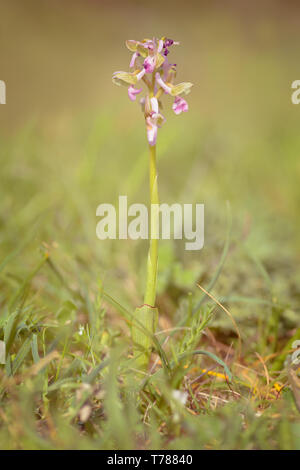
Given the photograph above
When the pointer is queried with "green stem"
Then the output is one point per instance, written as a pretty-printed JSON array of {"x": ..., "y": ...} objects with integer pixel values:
[
  {"x": 150, "y": 294},
  {"x": 146, "y": 316}
]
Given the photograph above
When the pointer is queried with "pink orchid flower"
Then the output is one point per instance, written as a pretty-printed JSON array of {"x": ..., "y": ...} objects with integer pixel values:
[
  {"x": 154, "y": 58},
  {"x": 153, "y": 118},
  {"x": 170, "y": 88},
  {"x": 149, "y": 57},
  {"x": 162, "y": 84},
  {"x": 180, "y": 105},
  {"x": 132, "y": 92},
  {"x": 149, "y": 64},
  {"x": 134, "y": 57}
]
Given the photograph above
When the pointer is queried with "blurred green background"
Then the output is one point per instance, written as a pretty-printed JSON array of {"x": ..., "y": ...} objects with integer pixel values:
[{"x": 70, "y": 140}]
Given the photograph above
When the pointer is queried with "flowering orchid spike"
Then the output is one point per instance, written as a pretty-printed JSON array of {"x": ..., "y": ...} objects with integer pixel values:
[{"x": 149, "y": 63}]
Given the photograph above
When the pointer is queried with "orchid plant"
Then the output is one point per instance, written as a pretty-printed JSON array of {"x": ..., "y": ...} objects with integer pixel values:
[{"x": 150, "y": 65}]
